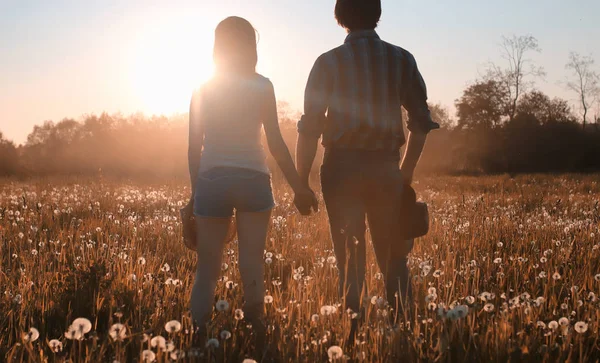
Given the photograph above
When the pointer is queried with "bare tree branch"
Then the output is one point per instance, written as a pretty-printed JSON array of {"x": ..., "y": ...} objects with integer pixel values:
[
  {"x": 517, "y": 73},
  {"x": 584, "y": 81}
]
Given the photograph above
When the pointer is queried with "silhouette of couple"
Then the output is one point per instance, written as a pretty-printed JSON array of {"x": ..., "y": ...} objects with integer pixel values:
[{"x": 353, "y": 104}]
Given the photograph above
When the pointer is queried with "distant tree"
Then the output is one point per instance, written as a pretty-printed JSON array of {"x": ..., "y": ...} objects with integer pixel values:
[
  {"x": 9, "y": 158},
  {"x": 441, "y": 115},
  {"x": 584, "y": 81},
  {"x": 544, "y": 110},
  {"x": 482, "y": 105},
  {"x": 515, "y": 76},
  {"x": 286, "y": 114}
]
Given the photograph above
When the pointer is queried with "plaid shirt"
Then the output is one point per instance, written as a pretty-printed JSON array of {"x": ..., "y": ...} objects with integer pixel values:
[{"x": 355, "y": 92}]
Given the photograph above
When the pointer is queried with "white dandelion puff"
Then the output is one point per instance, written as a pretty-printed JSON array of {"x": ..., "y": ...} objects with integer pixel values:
[
  {"x": 581, "y": 327},
  {"x": 56, "y": 346},
  {"x": 159, "y": 342},
  {"x": 83, "y": 325},
  {"x": 148, "y": 356},
  {"x": 212, "y": 343},
  {"x": 225, "y": 334},
  {"x": 222, "y": 305},
  {"x": 173, "y": 326},
  {"x": 117, "y": 332},
  {"x": 335, "y": 352},
  {"x": 31, "y": 335}
]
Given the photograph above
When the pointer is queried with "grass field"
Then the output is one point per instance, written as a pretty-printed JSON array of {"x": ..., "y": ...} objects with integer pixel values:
[{"x": 510, "y": 270}]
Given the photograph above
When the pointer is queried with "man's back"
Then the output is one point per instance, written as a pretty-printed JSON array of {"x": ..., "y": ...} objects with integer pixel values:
[{"x": 362, "y": 85}]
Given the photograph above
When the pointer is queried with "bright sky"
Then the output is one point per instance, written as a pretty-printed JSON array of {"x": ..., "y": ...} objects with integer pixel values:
[{"x": 67, "y": 58}]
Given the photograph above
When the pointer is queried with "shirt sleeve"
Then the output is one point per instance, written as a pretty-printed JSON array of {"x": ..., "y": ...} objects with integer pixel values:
[
  {"x": 316, "y": 100},
  {"x": 415, "y": 103}
]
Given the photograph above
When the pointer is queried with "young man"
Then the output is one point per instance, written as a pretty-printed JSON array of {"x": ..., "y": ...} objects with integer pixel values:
[{"x": 353, "y": 100}]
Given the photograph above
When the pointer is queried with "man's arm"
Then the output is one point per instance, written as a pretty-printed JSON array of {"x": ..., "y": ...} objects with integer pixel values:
[
  {"x": 306, "y": 150},
  {"x": 311, "y": 126},
  {"x": 196, "y": 140},
  {"x": 419, "y": 121},
  {"x": 414, "y": 148}
]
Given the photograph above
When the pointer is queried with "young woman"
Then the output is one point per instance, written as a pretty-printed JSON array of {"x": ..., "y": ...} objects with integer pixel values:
[{"x": 228, "y": 167}]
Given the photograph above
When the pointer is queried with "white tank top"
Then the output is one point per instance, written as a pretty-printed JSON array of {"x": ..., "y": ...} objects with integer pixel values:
[{"x": 232, "y": 110}]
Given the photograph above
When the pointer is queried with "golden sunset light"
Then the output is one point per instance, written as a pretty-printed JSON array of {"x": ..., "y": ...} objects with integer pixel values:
[
  {"x": 169, "y": 61},
  {"x": 299, "y": 181}
]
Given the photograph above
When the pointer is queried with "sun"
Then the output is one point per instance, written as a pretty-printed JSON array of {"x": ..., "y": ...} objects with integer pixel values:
[{"x": 170, "y": 62}]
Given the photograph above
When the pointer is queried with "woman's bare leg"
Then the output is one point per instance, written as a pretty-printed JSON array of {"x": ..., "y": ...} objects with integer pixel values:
[
  {"x": 252, "y": 233},
  {"x": 211, "y": 235}
]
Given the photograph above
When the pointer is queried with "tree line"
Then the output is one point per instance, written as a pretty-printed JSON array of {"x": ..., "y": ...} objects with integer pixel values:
[{"x": 503, "y": 124}]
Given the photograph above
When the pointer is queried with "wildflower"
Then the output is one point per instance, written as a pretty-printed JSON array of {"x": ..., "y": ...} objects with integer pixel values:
[
  {"x": 268, "y": 260},
  {"x": 83, "y": 325},
  {"x": 73, "y": 333},
  {"x": 327, "y": 310},
  {"x": 268, "y": 299},
  {"x": 437, "y": 273},
  {"x": 165, "y": 268},
  {"x": 238, "y": 314},
  {"x": 148, "y": 356},
  {"x": 597, "y": 277},
  {"x": 173, "y": 326},
  {"x": 541, "y": 324},
  {"x": 31, "y": 336},
  {"x": 222, "y": 305},
  {"x": 378, "y": 276},
  {"x": 314, "y": 318},
  {"x": 497, "y": 260},
  {"x": 225, "y": 335},
  {"x": 224, "y": 266},
  {"x": 581, "y": 327},
  {"x": 461, "y": 311},
  {"x": 470, "y": 300},
  {"x": 212, "y": 343},
  {"x": 556, "y": 276},
  {"x": 553, "y": 325},
  {"x": 488, "y": 307},
  {"x": 485, "y": 296},
  {"x": 564, "y": 322},
  {"x": 141, "y": 261},
  {"x": 564, "y": 306},
  {"x": 158, "y": 342},
  {"x": 331, "y": 260},
  {"x": 117, "y": 331},
  {"x": 177, "y": 354},
  {"x": 55, "y": 345},
  {"x": 335, "y": 352},
  {"x": 269, "y": 255}
]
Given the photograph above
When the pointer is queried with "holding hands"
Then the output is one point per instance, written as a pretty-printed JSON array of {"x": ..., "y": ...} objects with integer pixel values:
[{"x": 305, "y": 200}]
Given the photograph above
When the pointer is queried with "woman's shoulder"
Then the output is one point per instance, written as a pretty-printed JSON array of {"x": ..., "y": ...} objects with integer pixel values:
[{"x": 263, "y": 81}]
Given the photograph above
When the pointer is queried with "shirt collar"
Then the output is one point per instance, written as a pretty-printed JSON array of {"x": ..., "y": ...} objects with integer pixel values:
[{"x": 359, "y": 34}]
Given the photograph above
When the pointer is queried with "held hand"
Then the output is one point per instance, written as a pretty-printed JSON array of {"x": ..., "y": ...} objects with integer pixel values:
[{"x": 305, "y": 200}]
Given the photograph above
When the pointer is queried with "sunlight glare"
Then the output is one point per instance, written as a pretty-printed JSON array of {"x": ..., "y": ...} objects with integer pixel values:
[{"x": 170, "y": 62}]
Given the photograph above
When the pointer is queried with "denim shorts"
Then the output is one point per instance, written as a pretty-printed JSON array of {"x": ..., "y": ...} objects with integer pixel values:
[{"x": 221, "y": 190}]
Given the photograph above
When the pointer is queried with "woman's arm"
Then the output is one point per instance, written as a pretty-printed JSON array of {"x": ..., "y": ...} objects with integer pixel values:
[
  {"x": 281, "y": 154},
  {"x": 196, "y": 139}
]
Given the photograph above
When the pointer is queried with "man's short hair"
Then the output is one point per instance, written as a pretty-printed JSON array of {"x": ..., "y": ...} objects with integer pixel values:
[{"x": 358, "y": 14}]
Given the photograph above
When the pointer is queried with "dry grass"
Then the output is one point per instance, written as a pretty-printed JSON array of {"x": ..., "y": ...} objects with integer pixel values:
[{"x": 517, "y": 254}]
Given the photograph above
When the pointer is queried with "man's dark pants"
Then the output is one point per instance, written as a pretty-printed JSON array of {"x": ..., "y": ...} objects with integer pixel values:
[{"x": 358, "y": 184}]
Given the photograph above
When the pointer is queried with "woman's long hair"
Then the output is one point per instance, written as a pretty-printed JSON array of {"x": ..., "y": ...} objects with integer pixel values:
[{"x": 235, "y": 46}]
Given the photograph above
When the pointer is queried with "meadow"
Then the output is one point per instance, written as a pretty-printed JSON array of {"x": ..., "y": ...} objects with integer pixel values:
[{"x": 95, "y": 270}]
